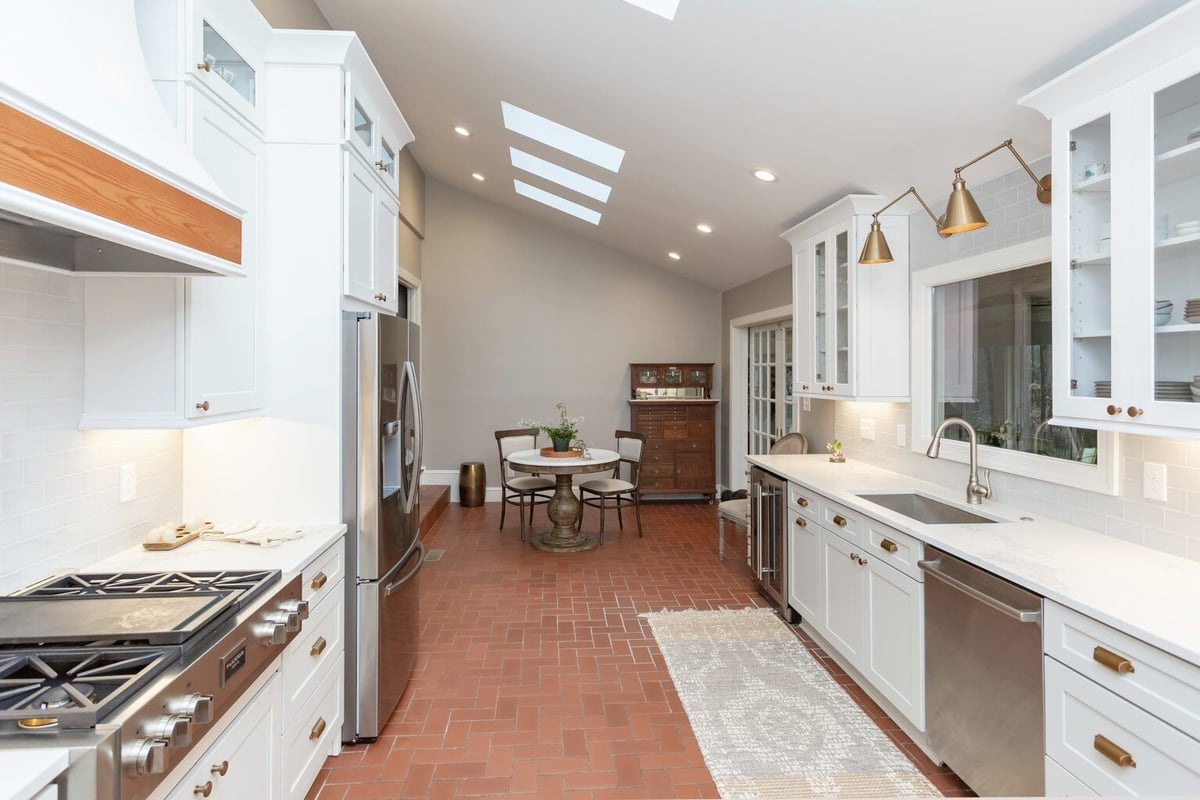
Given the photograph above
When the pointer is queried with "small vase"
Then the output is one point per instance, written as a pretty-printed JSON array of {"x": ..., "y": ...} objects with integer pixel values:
[
  {"x": 561, "y": 443},
  {"x": 838, "y": 458}
]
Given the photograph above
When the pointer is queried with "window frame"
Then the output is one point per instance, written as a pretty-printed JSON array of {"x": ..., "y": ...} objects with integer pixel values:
[{"x": 1102, "y": 477}]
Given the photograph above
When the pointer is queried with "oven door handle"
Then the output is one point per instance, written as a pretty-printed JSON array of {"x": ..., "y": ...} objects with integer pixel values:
[
  {"x": 934, "y": 568},
  {"x": 394, "y": 585}
]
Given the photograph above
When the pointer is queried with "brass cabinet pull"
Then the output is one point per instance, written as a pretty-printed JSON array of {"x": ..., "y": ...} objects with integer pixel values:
[
  {"x": 317, "y": 730},
  {"x": 1113, "y": 410},
  {"x": 205, "y": 790},
  {"x": 220, "y": 769},
  {"x": 207, "y": 67},
  {"x": 1134, "y": 411},
  {"x": 804, "y": 387},
  {"x": 1113, "y": 752},
  {"x": 889, "y": 545},
  {"x": 379, "y": 165},
  {"x": 319, "y": 580},
  {"x": 203, "y": 406},
  {"x": 381, "y": 297},
  {"x": 854, "y": 556},
  {"x": 802, "y": 502},
  {"x": 801, "y": 522},
  {"x": 1117, "y": 663},
  {"x": 862, "y": 562},
  {"x": 839, "y": 520},
  {"x": 318, "y": 646}
]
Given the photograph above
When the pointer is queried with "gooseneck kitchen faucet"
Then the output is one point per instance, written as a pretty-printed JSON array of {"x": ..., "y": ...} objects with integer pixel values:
[{"x": 976, "y": 490}]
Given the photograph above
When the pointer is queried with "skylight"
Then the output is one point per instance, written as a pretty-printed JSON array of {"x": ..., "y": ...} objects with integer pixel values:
[
  {"x": 664, "y": 8},
  {"x": 560, "y": 175},
  {"x": 554, "y": 201},
  {"x": 560, "y": 137}
]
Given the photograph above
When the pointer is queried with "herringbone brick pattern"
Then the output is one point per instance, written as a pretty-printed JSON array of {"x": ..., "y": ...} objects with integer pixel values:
[{"x": 536, "y": 677}]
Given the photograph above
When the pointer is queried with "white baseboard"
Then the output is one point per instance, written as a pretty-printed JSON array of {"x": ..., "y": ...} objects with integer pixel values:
[{"x": 449, "y": 477}]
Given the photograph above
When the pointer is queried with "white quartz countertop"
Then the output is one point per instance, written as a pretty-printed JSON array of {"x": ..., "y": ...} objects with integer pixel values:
[
  {"x": 1143, "y": 592},
  {"x": 289, "y": 556},
  {"x": 27, "y": 771}
]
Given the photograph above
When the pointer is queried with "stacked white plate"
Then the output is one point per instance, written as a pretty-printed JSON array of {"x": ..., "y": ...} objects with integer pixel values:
[
  {"x": 1187, "y": 228},
  {"x": 1103, "y": 388},
  {"x": 1173, "y": 391},
  {"x": 1191, "y": 310}
]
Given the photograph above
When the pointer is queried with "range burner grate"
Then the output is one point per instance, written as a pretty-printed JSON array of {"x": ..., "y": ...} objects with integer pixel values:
[{"x": 248, "y": 583}]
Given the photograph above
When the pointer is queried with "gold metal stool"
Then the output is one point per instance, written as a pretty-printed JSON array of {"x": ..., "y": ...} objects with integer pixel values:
[{"x": 472, "y": 484}]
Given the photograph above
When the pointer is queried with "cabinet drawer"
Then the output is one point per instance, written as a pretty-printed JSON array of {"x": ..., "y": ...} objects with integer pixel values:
[
  {"x": 675, "y": 429},
  {"x": 696, "y": 445},
  {"x": 805, "y": 501},
  {"x": 658, "y": 446},
  {"x": 1088, "y": 728},
  {"x": 842, "y": 521},
  {"x": 324, "y": 573},
  {"x": 1160, "y": 683},
  {"x": 658, "y": 484},
  {"x": 893, "y": 547},
  {"x": 311, "y": 735},
  {"x": 310, "y": 654},
  {"x": 659, "y": 458},
  {"x": 701, "y": 413},
  {"x": 1060, "y": 783},
  {"x": 658, "y": 470}
]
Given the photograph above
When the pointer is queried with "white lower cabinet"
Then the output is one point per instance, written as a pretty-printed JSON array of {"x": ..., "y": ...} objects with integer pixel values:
[
  {"x": 245, "y": 761},
  {"x": 1060, "y": 783},
  {"x": 895, "y": 639},
  {"x": 804, "y": 589},
  {"x": 313, "y": 734},
  {"x": 844, "y": 596}
]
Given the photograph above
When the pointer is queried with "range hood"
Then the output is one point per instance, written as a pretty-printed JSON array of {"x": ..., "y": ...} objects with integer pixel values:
[{"x": 94, "y": 177}]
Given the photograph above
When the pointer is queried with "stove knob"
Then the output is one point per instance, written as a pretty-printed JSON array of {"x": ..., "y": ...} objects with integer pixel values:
[
  {"x": 290, "y": 620},
  {"x": 145, "y": 757},
  {"x": 196, "y": 707},
  {"x": 298, "y": 606},
  {"x": 175, "y": 729},
  {"x": 272, "y": 633}
]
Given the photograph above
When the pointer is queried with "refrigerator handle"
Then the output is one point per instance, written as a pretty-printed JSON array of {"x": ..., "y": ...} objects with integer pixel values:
[{"x": 410, "y": 385}]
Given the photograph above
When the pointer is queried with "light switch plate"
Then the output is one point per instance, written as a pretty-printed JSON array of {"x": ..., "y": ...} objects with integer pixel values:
[
  {"x": 902, "y": 435},
  {"x": 866, "y": 429},
  {"x": 128, "y": 482},
  {"x": 1154, "y": 481},
  {"x": 806, "y": 404}
]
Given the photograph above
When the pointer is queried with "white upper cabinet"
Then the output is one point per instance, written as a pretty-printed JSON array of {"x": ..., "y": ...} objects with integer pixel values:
[
  {"x": 851, "y": 319},
  {"x": 1126, "y": 163}
]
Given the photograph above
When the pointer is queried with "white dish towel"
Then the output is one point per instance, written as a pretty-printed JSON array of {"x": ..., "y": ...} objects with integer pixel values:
[{"x": 261, "y": 535}]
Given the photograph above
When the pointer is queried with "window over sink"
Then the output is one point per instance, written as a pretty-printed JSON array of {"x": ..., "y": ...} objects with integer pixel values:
[{"x": 982, "y": 341}]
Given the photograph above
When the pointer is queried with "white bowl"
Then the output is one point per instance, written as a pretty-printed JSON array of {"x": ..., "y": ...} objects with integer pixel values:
[{"x": 1162, "y": 318}]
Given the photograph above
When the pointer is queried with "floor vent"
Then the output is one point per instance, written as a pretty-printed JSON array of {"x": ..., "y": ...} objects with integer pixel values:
[{"x": 435, "y": 554}]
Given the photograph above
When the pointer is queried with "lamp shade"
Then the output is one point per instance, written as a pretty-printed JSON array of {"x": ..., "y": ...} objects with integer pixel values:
[
  {"x": 875, "y": 248},
  {"x": 962, "y": 212}
]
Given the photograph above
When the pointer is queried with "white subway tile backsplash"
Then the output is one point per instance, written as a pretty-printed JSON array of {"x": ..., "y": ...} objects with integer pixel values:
[{"x": 59, "y": 502}]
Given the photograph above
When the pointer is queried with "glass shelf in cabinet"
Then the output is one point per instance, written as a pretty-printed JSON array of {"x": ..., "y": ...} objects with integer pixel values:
[
  {"x": 1100, "y": 183},
  {"x": 1178, "y": 164},
  {"x": 1092, "y": 335},
  {"x": 1178, "y": 241},
  {"x": 1093, "y": 260}
]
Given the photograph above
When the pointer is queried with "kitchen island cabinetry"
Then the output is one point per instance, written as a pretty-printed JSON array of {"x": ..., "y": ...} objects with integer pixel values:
[{"x": 851, "y": 319}]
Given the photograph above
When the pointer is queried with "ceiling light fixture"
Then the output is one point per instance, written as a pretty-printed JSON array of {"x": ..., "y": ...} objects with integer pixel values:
[
  {"x": 704, "y": 228},
  {"x": 560, "y": 175},
  {"x": 554, "y": 201},
  {"x": 461, "y": 131},
  {"x": 663, "y": 8},
  {"x": 476, "y": 176},
  {"x": 875, "y": 248},
  {"x": 962, "y": 212},
  {"x": 560, "y": 137},
  {"x": 765, "y": 175},
  {"x": 674, "y": 256}
]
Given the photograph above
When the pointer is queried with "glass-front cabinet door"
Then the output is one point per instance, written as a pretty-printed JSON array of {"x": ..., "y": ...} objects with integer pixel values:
[
  {"x": 820, "y": 326},
  {"x": 840, "y": 320}
]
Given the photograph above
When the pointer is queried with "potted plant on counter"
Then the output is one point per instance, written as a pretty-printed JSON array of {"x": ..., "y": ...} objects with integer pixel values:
[{"x": 835, "y": 451}]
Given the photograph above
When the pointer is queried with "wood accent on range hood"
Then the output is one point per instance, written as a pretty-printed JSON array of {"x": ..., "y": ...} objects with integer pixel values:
[{"x": 41, "y": 159}]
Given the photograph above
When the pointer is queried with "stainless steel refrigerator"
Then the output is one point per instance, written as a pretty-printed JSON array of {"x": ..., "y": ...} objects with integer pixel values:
[{"x": 381, "y": 469}]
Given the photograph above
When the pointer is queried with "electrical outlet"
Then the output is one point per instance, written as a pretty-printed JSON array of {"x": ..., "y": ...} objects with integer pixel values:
[
  {"x": 866, "y": 429},
  {"x": 902, "y": 435},
  {"x": 806, "y": 404},
  {"x": 128, "y": 482},
  {"x": 1154, "y": 481}
]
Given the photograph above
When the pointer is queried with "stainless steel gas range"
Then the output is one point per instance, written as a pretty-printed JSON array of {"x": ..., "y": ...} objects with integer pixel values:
[{"x": 131, "y": 670}]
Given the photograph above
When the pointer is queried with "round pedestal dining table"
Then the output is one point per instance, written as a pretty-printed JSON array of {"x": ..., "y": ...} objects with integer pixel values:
[{"x": 564, "y": 507}]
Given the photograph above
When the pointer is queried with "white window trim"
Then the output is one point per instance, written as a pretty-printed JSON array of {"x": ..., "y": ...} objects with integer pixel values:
[{"x": 1099, "y": 477}]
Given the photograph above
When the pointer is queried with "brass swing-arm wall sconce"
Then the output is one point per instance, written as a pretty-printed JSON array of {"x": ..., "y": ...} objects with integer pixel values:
[{"x": 962, "y": 212}]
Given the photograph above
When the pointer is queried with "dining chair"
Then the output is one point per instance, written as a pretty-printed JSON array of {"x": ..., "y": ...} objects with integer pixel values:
[
  {"x": 738, "y": 511},
  {"x": 630, "y": 445},
  {"x": 516, "y": 489}
]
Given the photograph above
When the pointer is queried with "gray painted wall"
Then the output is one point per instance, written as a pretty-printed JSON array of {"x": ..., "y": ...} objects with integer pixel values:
[
  {"x": 518, "y": 315},
  {"x": 302, "y": 14}
]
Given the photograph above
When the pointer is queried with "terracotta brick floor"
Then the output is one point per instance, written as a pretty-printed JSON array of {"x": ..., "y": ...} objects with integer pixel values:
[{"x": 536, "y": 677}]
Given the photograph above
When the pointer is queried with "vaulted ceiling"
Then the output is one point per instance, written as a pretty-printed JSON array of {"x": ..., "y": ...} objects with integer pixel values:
[{"x": 833, "y": 97}]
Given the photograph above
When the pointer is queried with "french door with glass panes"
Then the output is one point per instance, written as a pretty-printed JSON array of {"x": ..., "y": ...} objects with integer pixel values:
[{"x": 770, "y": 406}]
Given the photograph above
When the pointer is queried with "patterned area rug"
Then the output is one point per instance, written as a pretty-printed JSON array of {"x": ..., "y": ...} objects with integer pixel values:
[{"x": 770, "y": 720}]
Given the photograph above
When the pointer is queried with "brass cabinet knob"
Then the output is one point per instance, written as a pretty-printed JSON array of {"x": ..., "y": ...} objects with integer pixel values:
[
  {"x": 207, "y": 67},
  {"x": 317, "y": 729},
  {"x": 1134, "y": 411},
  {"x": 802, "y": 502},
  {"x": 1117, "y": 663},
  {"x": 1113, "y": 410},
  {"x": 318, "y": 646},
  {"x": 889, "y": 545},
  {"x": 319, "y": 580},
  {"x": 381, "y": 297},
  {"x": 1113, "y": 752},
  {"x": 220, "y": 769},
  {"x": 862, "y": 562},
  {"x": 839, "y": 520},
  {"x": 203, "y": 790},
  {"x": 203, "y": 406},
  {"x": 379, "y": 165},
  {"x": 854, "y": 556},
  {"x": 804, "y": 387},
  {"x": 801, "y": 522}
]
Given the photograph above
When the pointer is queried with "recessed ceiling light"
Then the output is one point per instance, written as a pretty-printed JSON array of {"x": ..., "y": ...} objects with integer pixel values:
[
  {"x": 703, "y": 228},
  {"x": 674, "y": 256},
  {"x": 554, "y": 201},
  {"x": 663, "y": 8},
  {"x": 461, "y": 131},
  {"x": 560, "y": 137},
  {"x": 476, "y": 176},
  {"x": 560, "y": 175},
  {"x": 765, "y": 175}
]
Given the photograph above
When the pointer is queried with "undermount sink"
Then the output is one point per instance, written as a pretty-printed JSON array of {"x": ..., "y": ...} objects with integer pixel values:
[{"x": 924, "y": 509}]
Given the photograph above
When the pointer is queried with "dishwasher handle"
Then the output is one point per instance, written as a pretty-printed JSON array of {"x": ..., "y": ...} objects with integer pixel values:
[{"x": 933, "y": 567}]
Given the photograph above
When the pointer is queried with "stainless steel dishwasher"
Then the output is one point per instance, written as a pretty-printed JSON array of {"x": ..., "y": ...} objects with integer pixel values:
[{"x": 983, "y": 677}]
